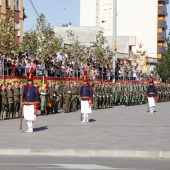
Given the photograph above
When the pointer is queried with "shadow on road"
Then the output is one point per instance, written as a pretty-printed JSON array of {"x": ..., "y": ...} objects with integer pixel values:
[
  {"x": 92, "y": 120},
  {"x": 40, "y": 128}
]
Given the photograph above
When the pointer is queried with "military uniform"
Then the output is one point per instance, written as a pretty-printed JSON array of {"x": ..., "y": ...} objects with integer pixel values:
[
  {"x": 74, "y": 99},
  {"x": 10, "y": 97},
  {"x": 86, "y": 96},
  {"x": 4, "y": 108},
  {"x": 50, "y": 102},
  {"x": 44, "y": 98},
  {"x": 30, "y": 101},
  {"x": 67, "y": 97},
  {"x": 16, "y": 93},
  {"x": 95, "y": 97}
]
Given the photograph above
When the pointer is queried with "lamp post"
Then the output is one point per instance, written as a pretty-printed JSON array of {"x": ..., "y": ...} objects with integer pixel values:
[
  {"x": 3, "y": 72},
  {"x": 114, "y": 37}
]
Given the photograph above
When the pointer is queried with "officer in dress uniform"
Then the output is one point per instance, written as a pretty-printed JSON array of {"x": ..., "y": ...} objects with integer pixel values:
[
  {"x": 30, "y": 101},
  {"x": 152, "y": 95},
  {"x": 86, "y": 96}
]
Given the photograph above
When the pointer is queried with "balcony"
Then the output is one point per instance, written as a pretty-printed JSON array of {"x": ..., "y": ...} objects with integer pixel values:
[
  {"x": 166, "y": 1},
  {"x": 162, "y": 36},
  {"x": 162, "y": 24},
  {"x": 162, "y": 11},
  {"x": 161, "y": 49}
]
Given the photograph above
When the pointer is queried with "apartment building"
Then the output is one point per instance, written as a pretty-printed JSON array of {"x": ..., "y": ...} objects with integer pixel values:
[
  {"x": 143, "y": 19},
  {"x": 17, "y": 6}
]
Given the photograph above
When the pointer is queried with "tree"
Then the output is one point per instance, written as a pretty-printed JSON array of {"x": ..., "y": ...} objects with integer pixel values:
[
  {"x": 41, "y": 40},
  {"x": 103, "y": 55},
  {"x": 8, "y": 33},
  {"x": 75, "y": 50},
  {"x": 163, "y": 66}
]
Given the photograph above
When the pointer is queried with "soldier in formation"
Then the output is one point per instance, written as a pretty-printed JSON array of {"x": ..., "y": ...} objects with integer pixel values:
[{"x": 64, "y": 97}]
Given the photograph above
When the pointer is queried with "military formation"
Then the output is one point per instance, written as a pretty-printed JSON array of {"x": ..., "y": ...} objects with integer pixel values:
[{"x": 64, "y": 97}]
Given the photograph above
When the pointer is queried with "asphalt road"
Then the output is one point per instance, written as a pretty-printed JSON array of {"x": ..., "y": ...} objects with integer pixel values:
[
  {"x": 65, "y": 163},
  {"x": 119, "y": 131}
]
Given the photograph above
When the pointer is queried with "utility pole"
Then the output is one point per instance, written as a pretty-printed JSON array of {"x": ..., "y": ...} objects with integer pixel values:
[{"x": 114, "y": 37}]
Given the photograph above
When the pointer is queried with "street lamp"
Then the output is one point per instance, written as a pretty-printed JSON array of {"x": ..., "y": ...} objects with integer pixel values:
[{"x": 114, "y": 37}]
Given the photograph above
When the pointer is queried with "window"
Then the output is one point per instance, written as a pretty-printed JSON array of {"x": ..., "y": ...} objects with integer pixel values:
[
  {"x": 17, "y": 28},
  {"x": 16, "y": 5},
  {"x": 7, "y": 3}
]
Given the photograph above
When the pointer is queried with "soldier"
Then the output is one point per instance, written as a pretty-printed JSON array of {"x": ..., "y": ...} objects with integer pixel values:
[
  {"x": 10, "y": 97},
  {"x": 152, "y": 94},
  {"x": 58, "y": 100},
  {"x": 107, "y": 94},
  {"x": 43, "y": 97},
  {"x": 126, "y": 94},
  {"x": 86, "y": 96},
  {"x": 103, "y": 93},
  {"x": 67, "y": 97},
  {"x": 113, "y": 92},
  {"x": 121, "y": 97},
  {"x": 117, "y": 94},
  {"x": 60, "y": 96},
  {"x": 95, "y": 96},
  {"x": 4, "y": 108},
  {"x": 30, "y": 101},
  {"x": 143, "y": 93},
  {"x": 75, "y": 93},
  {"x": 50, "y": 98},
  {"x": 16, "y": 93},
  {"x": 100, "y": 95}
]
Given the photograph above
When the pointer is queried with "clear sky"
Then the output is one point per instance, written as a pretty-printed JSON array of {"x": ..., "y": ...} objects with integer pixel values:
[{"x": 58, "y": 12}]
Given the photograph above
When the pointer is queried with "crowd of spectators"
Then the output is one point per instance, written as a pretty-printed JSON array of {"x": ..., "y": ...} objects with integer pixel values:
[{"x": 61, "y": 65}]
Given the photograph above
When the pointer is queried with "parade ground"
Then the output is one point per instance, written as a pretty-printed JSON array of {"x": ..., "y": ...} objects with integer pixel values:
[{"x": 122, "y": 131}]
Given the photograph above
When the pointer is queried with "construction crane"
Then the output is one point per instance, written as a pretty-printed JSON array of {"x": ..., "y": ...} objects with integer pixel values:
[{"x": 34, "y": 8}]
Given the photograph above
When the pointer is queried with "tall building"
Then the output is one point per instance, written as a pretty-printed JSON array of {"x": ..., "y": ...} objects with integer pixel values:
[
  {"x": 17, "y": 7},
  {"x": 143, "y": 19}
]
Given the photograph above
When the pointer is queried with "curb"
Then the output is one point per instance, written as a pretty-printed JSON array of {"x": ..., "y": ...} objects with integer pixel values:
[{"x": 85, "y": 153}]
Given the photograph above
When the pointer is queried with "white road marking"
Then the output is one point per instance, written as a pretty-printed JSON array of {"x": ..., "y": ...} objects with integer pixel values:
[
  {"x": 80, "y": 166},
  {"x": 67, "y": 166}
]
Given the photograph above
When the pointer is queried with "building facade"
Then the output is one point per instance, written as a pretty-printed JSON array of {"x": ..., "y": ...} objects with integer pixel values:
[
  {"x": 17, "y": 7},
  {"x": 143, "y": 19}
]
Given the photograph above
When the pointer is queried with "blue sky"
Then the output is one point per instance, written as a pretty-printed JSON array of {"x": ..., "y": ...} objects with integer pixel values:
[
  {"x": 55, "y": 11},
  {"x": 58, "y": 12}
]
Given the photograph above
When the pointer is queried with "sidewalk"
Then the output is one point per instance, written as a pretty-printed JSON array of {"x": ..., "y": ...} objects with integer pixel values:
[{"x": 119, "y": 131}]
